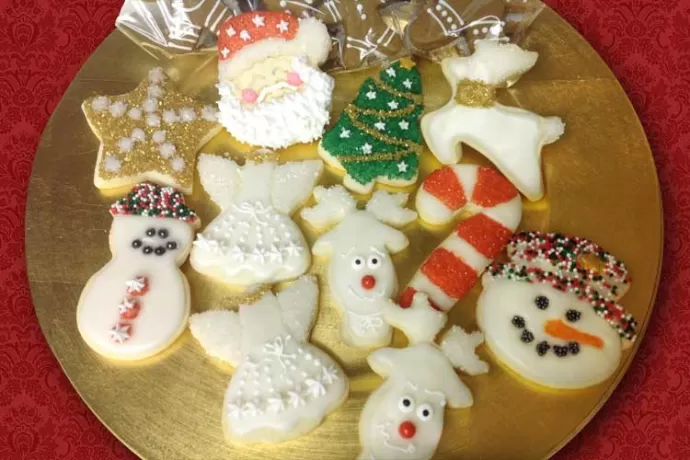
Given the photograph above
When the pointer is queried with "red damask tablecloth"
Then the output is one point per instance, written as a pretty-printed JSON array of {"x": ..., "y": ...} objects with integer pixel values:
[{"x": 43, "y": 43}]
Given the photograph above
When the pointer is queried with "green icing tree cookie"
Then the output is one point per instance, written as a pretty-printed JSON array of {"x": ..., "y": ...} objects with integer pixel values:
[{"x": 378, "y": 137}]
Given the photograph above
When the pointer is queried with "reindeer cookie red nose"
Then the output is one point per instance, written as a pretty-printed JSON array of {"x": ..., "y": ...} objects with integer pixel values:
[
  {"x": 407, "y": 430},
  {"x": 368, "y": 282}
]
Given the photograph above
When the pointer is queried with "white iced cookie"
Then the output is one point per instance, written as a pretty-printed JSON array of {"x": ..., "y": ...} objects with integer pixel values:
[
  {"x": 361, "y": 274},
  {"x": 454, "y": 266},
  {"x": 138, "y": 303},
  {"x": 283, "y": 386},
  {"x": 510, "y": 137},
  {"x": 254, "y": 240},
  {"x": 403, "y": 418},
  {"x": 551, "y": 314},
  {"x": 272, "y": 93}
]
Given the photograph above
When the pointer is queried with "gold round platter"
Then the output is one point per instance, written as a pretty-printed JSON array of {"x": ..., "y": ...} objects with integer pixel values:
[{"x": 601, "y": 183}]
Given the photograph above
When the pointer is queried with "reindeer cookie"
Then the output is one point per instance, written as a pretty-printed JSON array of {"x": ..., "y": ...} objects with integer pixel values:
[
  {"x": 361, "y": 274},
  {"x": 283, "y": 386},
  {"x": 254, "y": 240},
  {"x": 510, "y": 137},
  {"x": 403, "y": 418}
]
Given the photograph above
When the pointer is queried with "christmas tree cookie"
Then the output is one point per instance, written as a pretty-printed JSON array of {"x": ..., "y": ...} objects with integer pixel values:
[{"x": 378, "y": 138}]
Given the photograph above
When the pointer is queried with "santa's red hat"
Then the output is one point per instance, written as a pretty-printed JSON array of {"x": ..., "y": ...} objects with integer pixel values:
[{"x": 249, "y": 38}]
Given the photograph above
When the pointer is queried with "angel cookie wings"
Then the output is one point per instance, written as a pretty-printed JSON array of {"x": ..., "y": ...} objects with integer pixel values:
[
  {"x": 283, "y": 386},
  {"x": 510, "y": 137},
  {"x": 254, "y": 240}
]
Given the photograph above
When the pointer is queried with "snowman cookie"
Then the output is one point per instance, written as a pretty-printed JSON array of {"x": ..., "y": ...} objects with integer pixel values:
[
  {"x": 138, "y": 303},
  {"x": 254, "y": 240},
  {"x": 361, "y": 274},
  {"x": 551, "y": 313},
  {"x": 283, "y": 386},
  {"x": 403, "y": 418}
]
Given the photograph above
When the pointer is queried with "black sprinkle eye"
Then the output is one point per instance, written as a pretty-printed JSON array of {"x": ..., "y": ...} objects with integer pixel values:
[
  {"x": 151, "y": 232},
  {"x": 542, "y": 348},
  {"x": 147, "y": 250},
  {"x": 527, "y": 336},
  {"x": 171, "y": 245},
  {"x": 573, "y": 315},
  {"x": 406, "y": 402},
  {"x": 542, "y": 302},
  {"x": 574, "y": 347},
  {"x": 160, "y": 250},
  {"x": 163, "y": 233},
  {"x": 425, "y": 413},
  {"x": 518, "y": 321},
  {"x": 136, "y": 244},
  {"x": 560, "y": 351}
]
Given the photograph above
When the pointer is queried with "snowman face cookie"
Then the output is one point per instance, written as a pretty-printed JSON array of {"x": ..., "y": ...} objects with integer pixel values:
[
  {"x": 547, "y": 336},
  {"x": 138, "y": 239},
  {"x": 363, "y": 275},
  {"x": 407, "y": 422}
]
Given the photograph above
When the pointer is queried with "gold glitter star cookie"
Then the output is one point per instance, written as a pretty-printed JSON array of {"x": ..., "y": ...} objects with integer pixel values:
[{"x": 150, "y": 134}]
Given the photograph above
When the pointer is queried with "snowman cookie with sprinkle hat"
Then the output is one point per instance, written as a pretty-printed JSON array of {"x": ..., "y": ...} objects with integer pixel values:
[
  {"x": 138, "y": 303},
  {"x": 552, "y": 315}
]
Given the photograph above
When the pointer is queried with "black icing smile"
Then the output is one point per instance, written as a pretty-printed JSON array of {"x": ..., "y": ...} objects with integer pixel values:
[
  {"x": 152, "y": 249},
  {"x": 542, "y": 348}
]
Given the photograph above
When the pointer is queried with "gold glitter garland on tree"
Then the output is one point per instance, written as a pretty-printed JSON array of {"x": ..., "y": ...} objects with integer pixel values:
[{"x": 415, "y": 98}]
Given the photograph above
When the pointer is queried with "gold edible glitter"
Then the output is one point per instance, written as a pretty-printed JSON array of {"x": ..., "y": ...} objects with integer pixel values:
[{"x": 475, "y": 94}]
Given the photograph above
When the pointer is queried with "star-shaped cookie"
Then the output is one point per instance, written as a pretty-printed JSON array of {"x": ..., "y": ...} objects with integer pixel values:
[{"x": 150, "y": 134}]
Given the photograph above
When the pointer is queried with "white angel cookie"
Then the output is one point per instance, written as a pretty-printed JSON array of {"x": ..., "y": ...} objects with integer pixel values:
[
  {"x": 511, "y": 138},
  {"x": 551, "y": 313},
  {"x": 138, "y": 303},
  {"x": 403, "y": 418},
  {"x": 254, "y": 240},
  {"x": 361, "y": 274},
  {"x": 283, "y": 386}
]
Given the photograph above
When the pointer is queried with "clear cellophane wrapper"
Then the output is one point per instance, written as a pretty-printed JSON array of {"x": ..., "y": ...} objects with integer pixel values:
[{"x": 437, "y": 29}]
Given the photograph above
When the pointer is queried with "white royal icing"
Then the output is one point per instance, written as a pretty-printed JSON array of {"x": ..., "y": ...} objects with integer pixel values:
[
  {"x": 297, "y": 117},
  {"x": 164, "y": 303},
  {"x": 283, "y": 386},
  {"x": 361, "y": 274},
  {"x": 254, "y": 240}
]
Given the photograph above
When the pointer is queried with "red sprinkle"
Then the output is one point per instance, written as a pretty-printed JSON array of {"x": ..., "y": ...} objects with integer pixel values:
[{"x": 444, "y": 185}]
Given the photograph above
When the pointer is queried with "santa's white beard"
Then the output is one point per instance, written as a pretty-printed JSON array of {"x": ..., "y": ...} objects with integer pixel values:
[{"x": 297, "y": 117}]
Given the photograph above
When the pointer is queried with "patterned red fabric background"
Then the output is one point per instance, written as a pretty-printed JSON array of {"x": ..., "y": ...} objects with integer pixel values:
[{"x": 43, "y": 43}]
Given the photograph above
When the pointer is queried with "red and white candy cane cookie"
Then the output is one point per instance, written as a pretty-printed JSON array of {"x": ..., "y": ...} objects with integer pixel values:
[{"x": 456, "y": 264}]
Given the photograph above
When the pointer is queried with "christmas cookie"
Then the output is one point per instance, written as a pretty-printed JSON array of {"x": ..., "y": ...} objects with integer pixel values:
[
  {"x": 150, "y": 134},
  {"x": 403, "y": 418},
  {"x": 455, "y": 265},
  {"x": 272, "y": 93},
  {"x": 377, "y": 138},
  {"x": 361, "y": 274},
  {"x": 138, "y": 303},
  {"x": 175, "y": 27},
  {"x": 283, "y": 386},
  {"x": 254, "y": 240},
  {"x": 475, "y": 118},
  {"x": 551, "y": 314}
]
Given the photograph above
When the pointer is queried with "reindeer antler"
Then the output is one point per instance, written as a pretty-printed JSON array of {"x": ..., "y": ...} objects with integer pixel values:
[
  {"x": 332, "y": 205},
  {"x": 390, "y": 209}
]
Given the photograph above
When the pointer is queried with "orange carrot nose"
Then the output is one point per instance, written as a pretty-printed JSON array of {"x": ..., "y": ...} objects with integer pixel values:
[{"x": 558, "y": 329}]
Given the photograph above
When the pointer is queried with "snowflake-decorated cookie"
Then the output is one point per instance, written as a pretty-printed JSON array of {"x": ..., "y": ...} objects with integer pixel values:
[{"x": 150, "y": 134}]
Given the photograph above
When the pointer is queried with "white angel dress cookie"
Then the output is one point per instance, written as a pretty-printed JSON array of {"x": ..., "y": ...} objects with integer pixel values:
[
  {"x": 138, "y": 303},
  {"x": 551, "y": 314},
  {"x": 403, "y": 418},
  {"x": 254, "y": 240},
  {"x": 282, "y": 387},
  {"x": 272, "y": 93},
  {"x": 361, "y": 274},
  {"x": 511, "y": 138}
]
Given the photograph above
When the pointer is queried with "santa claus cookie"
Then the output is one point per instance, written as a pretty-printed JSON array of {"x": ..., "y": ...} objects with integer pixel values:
[
  {"x": 403, "y": 418},
  {"x": 150, "y": 134},
  {"x": 361, "y": 274},
  {"x": 272, "y": 93},
  {"x": 551, "y": 313},
  {"x": 474, "y": 117},
  {"x": 283, "y": 386},
  {"x": 254, "y": 240},
  {"x": 138, "y": 303},
  {"x": 377, "y": 138},
  {"x": 455, "y": 265}
]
